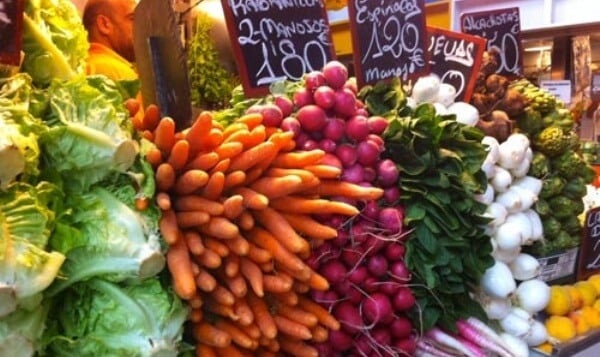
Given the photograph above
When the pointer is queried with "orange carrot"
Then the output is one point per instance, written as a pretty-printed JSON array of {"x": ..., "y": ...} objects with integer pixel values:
[
  {"x": 209, "y": 259},
  {"x": 179, "y": 154},
  {"x": 213, "y": 140},
  {"x": 214, "y": 187},
  {"x": 252, "y": 156},
  {"x": 272, "y": 345},
  {"x": 189, "y": 219},
  {"x": 251, "y": 120},
  {"x": 165, "y": 177},
  {"x": 141, "y": 203},
  {"x": 323, "y": 171},
  {"x": 180, "y": 266},
  {"x": 216, "y": 308},
  {"x": 259, "y": 255},
  {"x": 296, "y": 204},
  {"x": 305, "y": 224},
  {"x": 232, "y": 265},
  {"x": 190, "y": 181},
  {"x": 210, "y": 335},
  {"x": 282, "y": 139},
  {"x": 234, "y": 178},
  {"x": 220, "y": 227},
  {"x": 228, "y": 150},
  {"x": 196, "y": 315},
  {"x": 284, "y": 257},
  {"x": 233, "y": 128},
  {"x": 252, "y": 199},
  {"x": 252, "y": 331},
  {"x": 298, "y": 315},
  {"x": 238, "y": 336},
  {"x": 262, "y": 316},
  {"x": 243, "y": 311},
  {"x": 221, "y": 166},
  {"x": 245, "y": 221},
  {"x": 261, "y": 352},
  {"x": 198, "y": 131},
  {"x": 233, "y": 206},
  {"x": 305, "y": 175},
  {"x": 154, "y": 157},
  {"x": 151, "y": 117},
  {"x": 168, "y": 227},
  {"x": 194, "y": 242},
  {"x": 346, "y": 189},
  {"x": 318, "y": 282},
  {"x": 198, "y": 203},
  {"x": 236, "y": 134},
  {"x": 223, "y": 296},
  {"x": 216, "y": 246},
  {"x": 253, "y": 275},
  {"x": 301, "y": 287},
  {"x": 163, "y": 201},
  {"x": 319, "y": 334},
  {"x": 164, "y": 135},
  {"x": 275, "y": 187},
  {"x": 292, "y": 328},
  {"x": 298, "y": 159},
  {"x": 196, "y": 302},
  {"x": 205, "y": 281},
  {"x": 238, "y": 245},
  {"x": 231, "y": 351},
  {"x": 279, "y": 227},
  {"x": 258, "y": 134},
  {"x": 203, "y": 350},
  {"x": 255, "y": 173},
  {"x": 204, "y": 161},
  {"x": 320, "y": 312},
  {"x": 278, "y": 283},
  {"x": 289, "y": 298},
  {"x": 237, "y": 285},
  {"x": 294, "y": 347}
]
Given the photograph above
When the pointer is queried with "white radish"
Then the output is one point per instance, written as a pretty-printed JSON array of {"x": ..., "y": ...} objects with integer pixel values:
[
  {"x": 495, "y": 308},
  {"x": 488, "y": 167},
  {"x": 512, "y": 152},
  {"x": 517, "y": 346},
  {"x": 426, "y": 89},
  {"x": 523, "y": 224},
  {"x": 522, "y": 169},
  {"x": 498, "y": 282},
  {"x": 445, "y": 339},
  {"x": 525, "y": 267},
  {"x": 481, "y": 334},
  {"x": 440, "y": 109}
]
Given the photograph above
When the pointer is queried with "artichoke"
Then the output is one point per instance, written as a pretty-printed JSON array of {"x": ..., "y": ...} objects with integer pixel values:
[{"x": 551, "y": 141}]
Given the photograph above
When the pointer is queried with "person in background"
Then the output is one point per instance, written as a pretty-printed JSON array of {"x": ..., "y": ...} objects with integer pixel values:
[{"x": 109, "y": 24}]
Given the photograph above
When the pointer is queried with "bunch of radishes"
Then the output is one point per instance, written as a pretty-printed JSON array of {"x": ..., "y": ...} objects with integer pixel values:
[
  {"x": 510, "y": 290},
  {"x": 365, "y": 267}
]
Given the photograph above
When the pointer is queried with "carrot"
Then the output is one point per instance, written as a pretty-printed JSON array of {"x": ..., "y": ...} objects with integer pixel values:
[
  {"x": 298, "y": 315},
  {"x": 318, "y": 282},
  {"x": 220, "y": 227},
  {"x": 232, "y": 265},
  {"x": 179, "y": 154},
  {"x": 216, "y": 246},
  {"x": 346, "y": 189},
  {"x": 209, "y": 259},
  {"x": 258, "y": 134},
  {"x": 297, "y": 348},
  {"x": 319, "y": 334},
  {"x": 141, "y": 203},
  {"x": 190, "y": 181},
  {"x": 283, "y": 139},
  {"x": 233, "y": 206},
  {"x": 233, "y": 128},
  {"x": 268, "y": 267},
  {"x": 165, "y": 177},
  {"x": 251, "y": 120},
  {"x": 253, "y": 275},
  {"x": 214, "y": 187},
  {"x": 237, "y": 134},
  {"x": 297, "y": 204},
  {"x": 275, "y": 187},
  {"x": 305, "y": 224},
  {"x": 195, "y": 268},
  {"x": 210, "y": 335},
  {"x": 212, "y": 140},
  {"x": 252, "y": 199},
  {"x": 277, "y": 283},
  {"x": 261, "y": 352},
  {"x": 289, "y": 298},
  {"x": 196, "y": 315},
  {"x": 228, "y": 150},
  {"x": 205, "y": 161},
  {"x": 151, "y": 117},
  {"x": 255, "y": 173},
  {"x": 154, "y": 157},
  {"x": 272, "y": 345},
  {"x": 252, "y": 156},
  {"x": 280, "y": 254},
  {"x": 259, "y": 255},
  {"x": 305, "y": 175},
  {"x": 164, "y": 134},
  {"x": 244, "y": 312},
  {"x": 301, "y": 287},
  {"x": 238, "y": 245},
  {"x": 323, "y": 171},
  {"x": 237, "y": 285},
  {"x": 205, "y": 281},
  {"x": 203, "y": 350},
  {"x": 163, "y": 201},
  {"x": 196, "y": 302},
  {"x": 198, "y": 131},
  {"x": 234, "y": 178},
  {"x": 221, "y": 166},
  {"x": 180, "y": 266},
  {"x": 292, "y": 328},
  {"x": 194, "y": 242},
  {"x": 245, "y": 221},
  {"x": 279, "y": 227},
  {"x": 216, "y": 308},
  {"x": 320, "y": 312},
  {"x": 198, "y": 203},
  {"x": 253, "y": 332},
  {"x": 298, "y": 159},
  {"x": 189, "y": 219},
  {"x": 223, "y": 296},
  {"x": 168, "y": 227},
  {"x": 230, "y": 351},
  {"x": 262, "y": 316}
]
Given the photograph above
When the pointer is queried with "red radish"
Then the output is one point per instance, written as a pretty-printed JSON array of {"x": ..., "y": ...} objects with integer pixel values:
[
  {"x": 301, "y": 138},
  {"x": 367, "y": 153},
  {"x": 352, "y": 256},
  {"x": 425, "y": 348},
  {"x": 285, "y": 104},
  {"x": 340, "y": 340},
  {"x": 347, "y": 154},
  {"x": 382, "y": 336},
  {"x": 333, "y": 271},
  {"x": 291, "y": 124},
  {"x": 358, "y": 275},
  {"x": 364, "y": 345},
  {"x": 345, "y": 103},
  {"x": 391, "y": 195},
  {"x": 394, "y": 251},
  {"x": 255, "y": 108},
  {"x": 324, "y": 97},
  {"x": 357, "y": 128},
  {"x": 376, "y": 308},
  {"x": 332, "y": 160},
  {"x": 272, "y": 115},
  {"x": 377, "y": 140},
  {"x": 327, "y": 145},
  {"x": 351, "y": 84},
  {"x": 475, "y": 349},
  {"x": 369, "y": 175},
  {"x": 349, "y": 317},
  {"x": 371, "y": 210},
  {"x": 399, "y": 271},
  {"x": 324, "y": 349},
  {"x": 377, "y": 124},
  {"x": 407, "y": 345},
  {"x": 391, "y": 218},
  {"x": 387, "y": 173},
  {"x": 403, "y": 300},
  {"x": 401, "y": 327},
  {"x": 313, "y": 80},
  {"x": 302, "y": 97},
  {"x": 377, "y": 265},
  {"x": 390, "y": 288},
  {"x": 309, "y": 145},
  {"x": 335, "y": 73},
  {"x": 355, "y": 295},
  {"x": 311, "y": 117},
  {"x": 334, "y": 129},
  {"x": 353, "y": 174},
  {"x": 370, "y": 285}
]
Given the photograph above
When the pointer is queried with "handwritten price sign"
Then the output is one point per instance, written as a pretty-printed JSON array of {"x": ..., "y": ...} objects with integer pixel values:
[
  {"x": 388, "y": 38},
  {"x": 589, "y": 254},
  {"x": 502, "y": 29},
  {"x": 277, "y": 40}
]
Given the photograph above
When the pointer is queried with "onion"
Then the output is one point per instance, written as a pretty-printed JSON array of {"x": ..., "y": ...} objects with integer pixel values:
[
  {"x": 533, "y": 295},
  {"x": 498, "y": 282},
  {"x": 496, "y": 308},
  {"x": 525, "y": 267},
  {"x": 537, "y": 334},
  {"x": 516, "y": 324}
]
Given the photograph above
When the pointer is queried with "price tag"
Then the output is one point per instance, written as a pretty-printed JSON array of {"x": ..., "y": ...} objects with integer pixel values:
[
  {"x": 388, "y": 39},
  {"x": 502, "y": 29},
  {"x": 277, "y": 40},
  {"x": 455, "y": 57},
  {"x": 11, "y": 23},
  {"x": 589, "y": 255}
]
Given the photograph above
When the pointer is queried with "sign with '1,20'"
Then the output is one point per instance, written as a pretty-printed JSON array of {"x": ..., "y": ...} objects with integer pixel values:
[
  {"x": 277, "y": 40},
  {"x": 589, "y": 253}
]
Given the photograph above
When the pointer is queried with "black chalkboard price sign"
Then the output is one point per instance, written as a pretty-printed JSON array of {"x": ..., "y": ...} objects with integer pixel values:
[
  {"x": 589, "y": 252},
  {"x": 455, "y": 57},
  {"x": 11, "y": 23},
  {"x": 388, "y": 39},
  {"x": 277, "y": 40},
  {"x": 502, "y": 29}
]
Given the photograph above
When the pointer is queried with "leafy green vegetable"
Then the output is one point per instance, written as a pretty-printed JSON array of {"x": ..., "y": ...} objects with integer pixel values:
[
  {"x": 440, "y": 163},
  {"x": 21, "y": 332},
  {"x": 100, "y": 318},
  {"x": 54, "y": 40}
]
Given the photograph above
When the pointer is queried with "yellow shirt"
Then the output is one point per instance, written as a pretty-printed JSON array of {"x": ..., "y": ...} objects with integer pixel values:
[{"x": 103, "y": 60}]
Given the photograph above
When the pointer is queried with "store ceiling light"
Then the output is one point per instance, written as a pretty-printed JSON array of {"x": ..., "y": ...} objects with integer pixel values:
[{"x": 538, "y": 48}]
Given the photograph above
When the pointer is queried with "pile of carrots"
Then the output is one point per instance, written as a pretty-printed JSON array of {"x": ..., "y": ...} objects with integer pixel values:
[{"x": 238, "y": 206}]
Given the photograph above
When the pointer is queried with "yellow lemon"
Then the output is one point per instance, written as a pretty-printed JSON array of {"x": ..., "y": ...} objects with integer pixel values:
[
  {"x": 595, "y": 280},
  {"x": 576, "y": 297},
  {"x": 597, "y": 304},
  {"x": 560, "y": 328},
  {"x": 560, "y": 301},
  {"x": 588, "y": 292},
  {"x": 591, "y": 316},
  {"x": 581, "y": 323}
]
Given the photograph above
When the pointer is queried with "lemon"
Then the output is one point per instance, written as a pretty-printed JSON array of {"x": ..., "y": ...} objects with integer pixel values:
[
  {"x": 576, "y": 297},
  {"x": 582, "y": 325},
  {"x": 560, "y": 328},
  {"x": 588, "y": 292},
  {"x": 595, "y": 280},
  {"x": 560, "y": 301},
  {"x": 597, "y": 304},
  {"x": 591, "y": 316}
]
